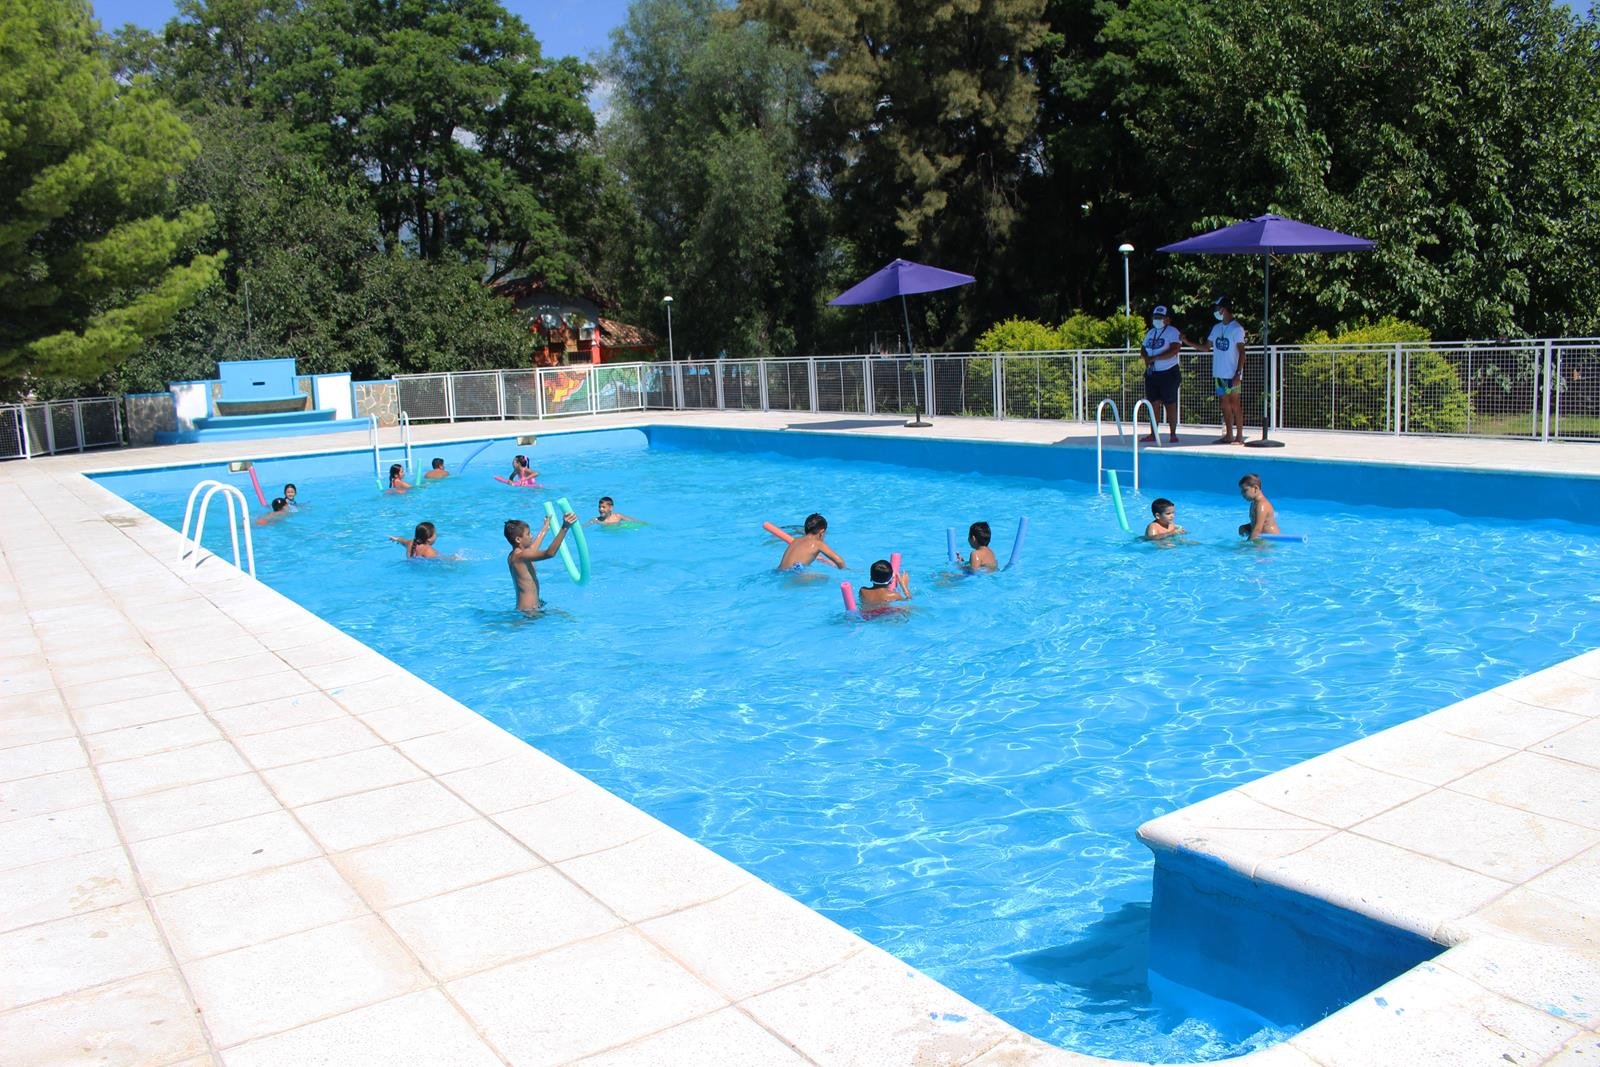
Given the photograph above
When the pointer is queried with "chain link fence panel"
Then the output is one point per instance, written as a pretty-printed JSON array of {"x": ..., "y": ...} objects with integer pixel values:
[
  {"x": 425, "y": 398},
  {"x": 519, "y": 394},
  {"x": 475, "y": 395},
  {"x": 842, "y": 385},
  {"x": 1575, "y": 408},
  {"x": 741, "y": 384},
  {"x": 788, "y": 385}
]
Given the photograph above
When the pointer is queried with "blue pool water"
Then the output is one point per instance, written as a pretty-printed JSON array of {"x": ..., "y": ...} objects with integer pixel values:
[{"x": 960, "y": 783}]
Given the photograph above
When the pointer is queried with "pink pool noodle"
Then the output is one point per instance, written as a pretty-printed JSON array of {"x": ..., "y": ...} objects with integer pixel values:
[
  {"x": 849, "y": 596},
  {"x": 257, "y": 483},
  {"x": 781, "y": 535}
]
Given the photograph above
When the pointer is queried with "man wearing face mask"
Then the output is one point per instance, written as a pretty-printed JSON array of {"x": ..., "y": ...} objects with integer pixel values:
[
  {"x": 1227, "y": 369},
  {"x": 1160, "y": 348}
]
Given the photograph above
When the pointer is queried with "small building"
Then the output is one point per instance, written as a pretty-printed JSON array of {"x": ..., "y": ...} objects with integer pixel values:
[{"x": 571, "y": 327}]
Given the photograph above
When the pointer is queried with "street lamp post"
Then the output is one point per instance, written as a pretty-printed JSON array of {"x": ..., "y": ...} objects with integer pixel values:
[
  {"x": 667, "y": 300},
  {"x": 1127, "y": 304}
]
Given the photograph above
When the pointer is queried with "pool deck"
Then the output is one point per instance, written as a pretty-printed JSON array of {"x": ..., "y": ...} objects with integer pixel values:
[{"x": 231, "y": 834}]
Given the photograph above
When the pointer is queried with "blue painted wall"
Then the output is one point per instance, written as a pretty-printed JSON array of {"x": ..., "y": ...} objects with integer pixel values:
[
  {"x": 1281, "y": 955},
  {"x": 1472, "y": 493}
]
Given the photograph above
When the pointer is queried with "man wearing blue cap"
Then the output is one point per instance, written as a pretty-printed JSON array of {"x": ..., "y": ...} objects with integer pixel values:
[{"x": 1160, "y": 348}]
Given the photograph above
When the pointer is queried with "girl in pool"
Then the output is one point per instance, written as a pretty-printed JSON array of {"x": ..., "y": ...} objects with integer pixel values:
[
  {"x": 420, "y": 544},
  {"x": 397, "y": 479},
  {"x": 521, "y": 473}
]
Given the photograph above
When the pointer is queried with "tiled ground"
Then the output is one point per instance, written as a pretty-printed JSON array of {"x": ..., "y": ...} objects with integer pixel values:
[{"x": 229, "y": 833}]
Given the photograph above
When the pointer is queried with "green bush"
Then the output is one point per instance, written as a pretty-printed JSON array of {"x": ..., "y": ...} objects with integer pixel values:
[
  {"x": 1329, "y": 387},
  {"x": 1042, "y": 388}
]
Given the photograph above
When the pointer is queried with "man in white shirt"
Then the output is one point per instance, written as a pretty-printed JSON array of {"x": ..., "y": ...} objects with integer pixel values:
[
  {"x": 1227, "y": 369},
  {"x": 1160, "y": 348}
]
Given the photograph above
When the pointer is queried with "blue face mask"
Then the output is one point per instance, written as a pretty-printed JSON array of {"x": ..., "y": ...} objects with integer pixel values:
[
  {"x": 1155, "y": 324},
  {"x": 1217, "y": 315}
]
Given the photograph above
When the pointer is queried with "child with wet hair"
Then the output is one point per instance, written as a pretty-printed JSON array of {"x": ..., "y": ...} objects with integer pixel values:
[
  {"x": 886, "y": 587},
  {"x": 525, "y": 552},
  {"x": 280, "y": 510},
  {"x": 397, "y": 479},
  {"x": 1263, "y": 519},
  {"x": 420, "y": 544},
  {"x": 982, "y": 558},
  {"x": 521, "y": 473},
  {"x": 1162, "y": 524},
  {"x": 804, "y": 550}
]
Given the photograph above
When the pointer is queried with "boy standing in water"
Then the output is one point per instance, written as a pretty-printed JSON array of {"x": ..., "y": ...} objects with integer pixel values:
[
  {"x": 982, "y": 558},
  {"x": 525, "y": 552},
  {"x": 420, "y": 544},
  {"x": 1161, "y": 524},
  {"x": 804, "y": 550},
  {"x": 436, "y": 469},
  {"x": 1263, "y": 519},
  {"x": 609, "y": 516},
  {"x": 882, "y": 592}
]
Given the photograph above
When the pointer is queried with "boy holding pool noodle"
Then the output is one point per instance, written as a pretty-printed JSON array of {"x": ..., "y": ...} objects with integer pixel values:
[
  {"x": 982, "y": 558},
  {"x": 1263, "y": 519},
  {"x": 881, "y": 593},
  {"x": 1162, "y": 525},
  {"x": 804, "y": 550},
  {"x": 525, "y": 552}
]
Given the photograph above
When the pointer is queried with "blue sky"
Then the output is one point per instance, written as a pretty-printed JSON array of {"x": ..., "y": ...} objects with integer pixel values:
[{"x": 564, "y": 27}]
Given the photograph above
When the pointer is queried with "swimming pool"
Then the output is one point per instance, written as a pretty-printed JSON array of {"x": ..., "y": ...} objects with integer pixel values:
[{"x": 959, "y": 785}]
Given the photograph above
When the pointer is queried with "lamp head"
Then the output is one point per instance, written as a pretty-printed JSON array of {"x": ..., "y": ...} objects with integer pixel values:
[
  {"x": 1125, "y": 249},
  {"x": 666, "y": 300}
]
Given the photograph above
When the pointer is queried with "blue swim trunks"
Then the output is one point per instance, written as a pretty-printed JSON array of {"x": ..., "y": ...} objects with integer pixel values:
[{"x": 1225, "y": 386}]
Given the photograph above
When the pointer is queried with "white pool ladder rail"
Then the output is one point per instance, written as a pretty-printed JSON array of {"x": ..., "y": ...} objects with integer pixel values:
[
  {"x": 378, "y": 474},
  {"x": 231, "y": 494},
  {"x": 1099, "y": 445}
]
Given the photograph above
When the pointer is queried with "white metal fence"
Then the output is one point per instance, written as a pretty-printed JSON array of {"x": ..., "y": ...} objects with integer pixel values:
[{"x": 48, "y": 427}]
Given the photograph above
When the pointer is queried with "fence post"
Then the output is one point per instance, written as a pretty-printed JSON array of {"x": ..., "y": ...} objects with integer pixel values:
[
  {"x": 811, "y": 383},
  {"x": 49, "y": 432},
  {"x": 450, "y": 397},
  {"x": 999, "y": 387},
  {"x": 761, "y": 383},
  {"x": 1548, "y": 399},
  {"x": 1397, "y": 375},
  {"x": 77, "y": 423},
  {"x": 869, "y": 403},
  {"x": 927, "y": 385}
]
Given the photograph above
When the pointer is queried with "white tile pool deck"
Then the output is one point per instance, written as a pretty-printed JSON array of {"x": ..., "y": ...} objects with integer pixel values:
[{"x": 231, "y": 834}]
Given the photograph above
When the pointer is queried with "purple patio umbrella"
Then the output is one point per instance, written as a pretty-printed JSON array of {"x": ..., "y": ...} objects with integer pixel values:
[
  {"x": 902, "y": 278},
  {"x": 1262, "y": 236}
]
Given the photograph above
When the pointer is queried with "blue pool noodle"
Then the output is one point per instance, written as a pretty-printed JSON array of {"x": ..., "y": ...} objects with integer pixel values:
[
  {"x": 1016, "y": 546},
  {"x": 474, "y": 456},
  {"x": 1293, "y": 539},
  {"x": 1116, "y": 498},
  {"x": 950, "y": 542}
]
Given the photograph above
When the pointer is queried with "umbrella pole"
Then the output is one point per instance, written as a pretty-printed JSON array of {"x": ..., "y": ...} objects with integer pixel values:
[
  {"x": 916, "y": 401},
  {"x": 1270, "y": 395}
]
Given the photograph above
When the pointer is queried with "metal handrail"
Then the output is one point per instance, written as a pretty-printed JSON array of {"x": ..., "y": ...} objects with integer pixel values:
[
  {"x": 210, "y": 487},
  {"x": 1099, "y": 450},
  {"x": 1155, "y": 431}
]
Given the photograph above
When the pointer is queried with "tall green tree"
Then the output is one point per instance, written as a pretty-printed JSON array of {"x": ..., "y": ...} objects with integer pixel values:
[
  {"x": 717, "y": 205},
  {"x": 92, "y": 259},
  {"x": 308, "y": 277},
  {"x": 1461, "y": 135},
  {"x": 472, "y": 144},
  {"x": 927, "y": 121}
]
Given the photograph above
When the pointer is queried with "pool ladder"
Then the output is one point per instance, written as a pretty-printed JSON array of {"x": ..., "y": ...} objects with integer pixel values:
[
  {"x": 205, "y": 490},
  {"x": 1099, "y": 444},
  {"x": 377, "y": 449}
]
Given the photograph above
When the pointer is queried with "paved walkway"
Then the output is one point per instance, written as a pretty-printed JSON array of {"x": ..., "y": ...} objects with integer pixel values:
[{"x": 229, "y": 833}]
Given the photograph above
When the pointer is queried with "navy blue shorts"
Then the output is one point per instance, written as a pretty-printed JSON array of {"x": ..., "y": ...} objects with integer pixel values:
[{"x": 1161, "y": 386}]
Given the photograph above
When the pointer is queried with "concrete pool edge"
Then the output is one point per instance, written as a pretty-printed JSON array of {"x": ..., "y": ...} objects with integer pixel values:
[{"x": 855, "y": 985}]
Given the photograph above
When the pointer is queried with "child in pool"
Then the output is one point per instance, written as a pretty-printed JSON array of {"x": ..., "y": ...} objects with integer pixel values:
[
  {"x": 397, "y": 479},
  {"x": 803, "y": 550},
  {"x": 289, "y": 492},
  {"x": 1263, "y": 519},
  {"x": 420, "y": 544},
  {"x": 525, "y": 552},
  {"x": 521, "y": 473},
  {"x": 982, "y": 558},
  {"x": 280, "y": 511},
  {"x": 882, "y": 592},
  {"x": 609, "y": 516},
  {"x": 437, "y": 469},
  {"x": 1162, "y": 525}
]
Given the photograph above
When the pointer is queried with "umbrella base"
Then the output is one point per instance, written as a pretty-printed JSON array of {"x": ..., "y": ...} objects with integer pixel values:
[
  {"x": 1264, "y": 443},
  {"x": 918, "y": 424}
]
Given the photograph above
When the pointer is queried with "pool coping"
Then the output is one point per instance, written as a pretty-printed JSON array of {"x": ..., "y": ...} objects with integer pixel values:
[{"x": 136, "y": 734}]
